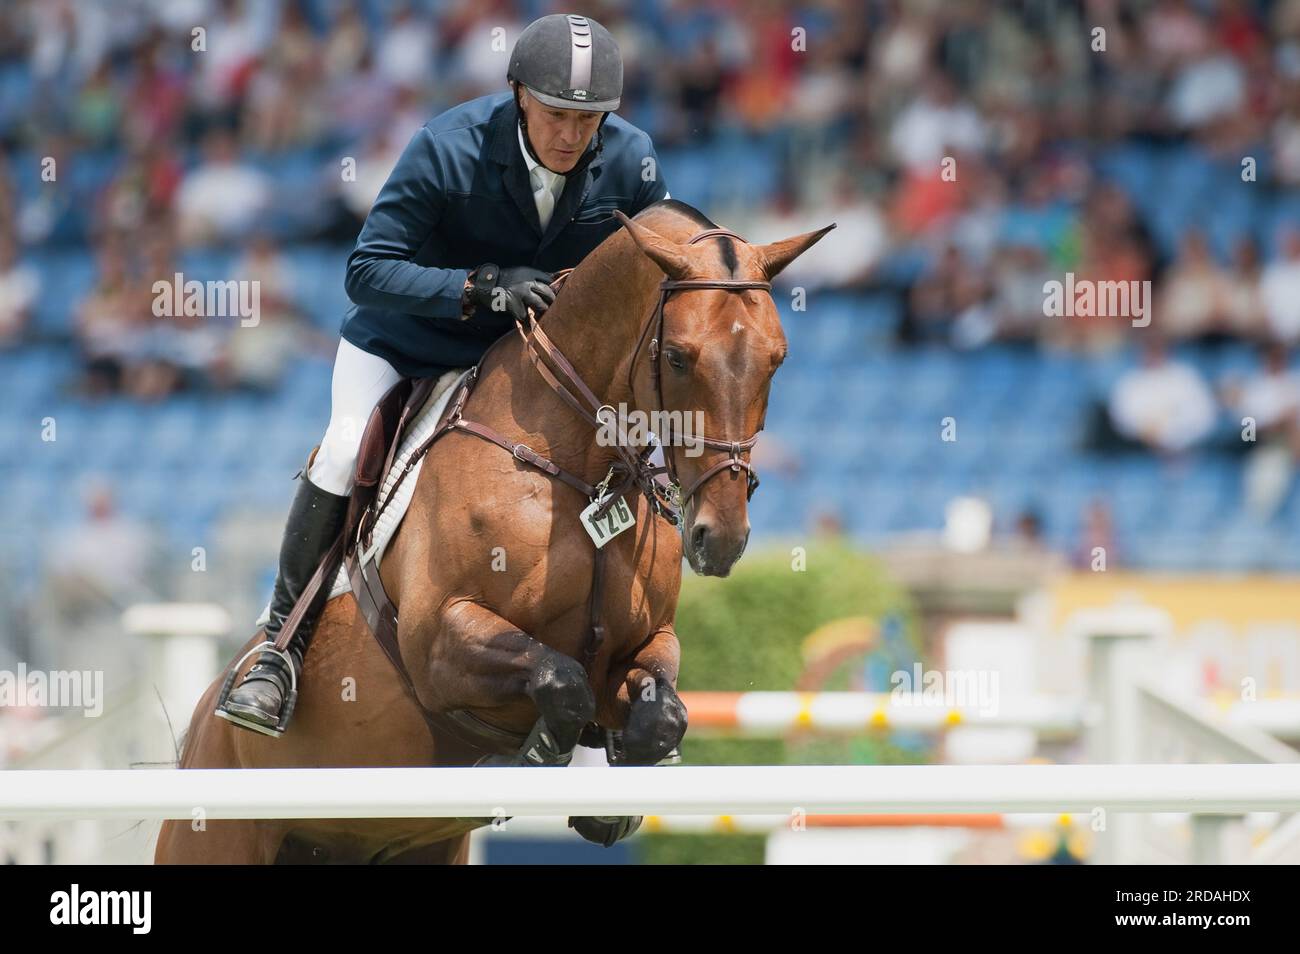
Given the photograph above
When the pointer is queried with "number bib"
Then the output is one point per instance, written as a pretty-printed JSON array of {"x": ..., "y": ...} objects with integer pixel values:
[{"x": 603, "y": 529}]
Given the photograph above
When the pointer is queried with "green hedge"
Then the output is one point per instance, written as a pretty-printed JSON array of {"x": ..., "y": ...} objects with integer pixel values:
[{"x": 746, "y": 632}]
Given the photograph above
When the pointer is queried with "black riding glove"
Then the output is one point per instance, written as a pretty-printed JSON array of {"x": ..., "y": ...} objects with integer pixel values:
[{"x": 512, "y": 290}]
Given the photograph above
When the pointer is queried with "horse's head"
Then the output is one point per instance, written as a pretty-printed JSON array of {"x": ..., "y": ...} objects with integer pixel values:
[{"x": 712, "y": 354}]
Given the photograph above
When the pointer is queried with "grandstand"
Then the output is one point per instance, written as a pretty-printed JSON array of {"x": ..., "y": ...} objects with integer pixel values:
[{"x": 1023, "y": 411}]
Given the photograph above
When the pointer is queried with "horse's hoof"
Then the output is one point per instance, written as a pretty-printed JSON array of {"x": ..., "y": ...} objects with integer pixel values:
[{"x": 605, "y": 830}]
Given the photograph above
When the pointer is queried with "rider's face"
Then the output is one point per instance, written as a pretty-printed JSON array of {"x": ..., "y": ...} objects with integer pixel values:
[{"x": 559, "y": 136}]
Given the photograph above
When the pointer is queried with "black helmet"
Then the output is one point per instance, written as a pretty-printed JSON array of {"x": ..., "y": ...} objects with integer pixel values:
[{"x": 569, "y": 62}]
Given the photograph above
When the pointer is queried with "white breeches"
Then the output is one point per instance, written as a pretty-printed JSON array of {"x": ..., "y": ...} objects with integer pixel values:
[{"x": 360, "y": 380}]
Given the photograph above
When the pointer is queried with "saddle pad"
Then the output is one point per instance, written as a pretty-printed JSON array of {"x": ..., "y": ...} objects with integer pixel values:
[{"x": 421, "y": 427}]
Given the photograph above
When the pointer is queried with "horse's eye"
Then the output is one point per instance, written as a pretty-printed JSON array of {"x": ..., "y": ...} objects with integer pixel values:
[{"x": 675, "y": 359}]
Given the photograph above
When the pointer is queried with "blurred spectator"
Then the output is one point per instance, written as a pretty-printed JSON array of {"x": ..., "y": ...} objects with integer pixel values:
[
  {"x": 1271, "y": 399},
  {"x": 775, "y": 457},
  {"x": 176, "y": 351},
  {"x": 477, "y": 42},
  {"x": 699, "y": 88},
  {"x": 19, "y": 286},
  {"x": 156, "y": 97},
  {"x": 1270, "y": 396},
  {"x": 360, "y": 105},
  {"x": 94, "y": 569},
  {"x": 861, "y": 237},
  {"x": 1020, "y": 272},
  {"x": 934, "y": 125},
  {"x": 980, "y": 213},
  {"x": 108, "y": 323},
  {"x": 141, "y": 192},
  {"x": 1279, "y": 288},
  {"x": 404, "y": 50},
  {"x": 1210, "y": 87},
  {"x": 256, "y": 354},
  {"x": 374, "y": 165},
  {"x": 902, "y": 47},
  {"x": 1114, "y": 246},
  {"x": 827, "y": 525},
  {"x": 1195, "y": 302},
  {"x": 100, "y": 563},
  {"x": 281, "y": 110},
  {"x": 96, "y": 112},
  {"x": 943, "y": 293},
  {"x": 125, "y": 348},
  {"x": 1286, "y": 142},
  {"x": 1162, "y": 404},
  {"x": 346, "y": 43},
  {"x": 1027, "y": 533},
  {"x": 1097, "y": 548},
  {"x": 1174, "y": 32},
  {"x": 221, "y": 199},
  {"x": 1245, "y": 302},
  {"x": 233, "y": 45},
  {"x": 761, "y": 91}
]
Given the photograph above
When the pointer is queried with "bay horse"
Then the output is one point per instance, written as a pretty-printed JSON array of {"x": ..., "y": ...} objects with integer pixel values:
[{"x": 493, "y": 571}]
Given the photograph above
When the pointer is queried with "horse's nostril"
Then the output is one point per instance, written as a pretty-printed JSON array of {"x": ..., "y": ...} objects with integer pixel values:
[{"x": 698, "y": 536}]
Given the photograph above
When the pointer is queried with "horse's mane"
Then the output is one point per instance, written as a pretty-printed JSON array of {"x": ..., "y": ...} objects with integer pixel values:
[
  {"x": 689, "y": 218},
  {"x": 681, "y": 208}
]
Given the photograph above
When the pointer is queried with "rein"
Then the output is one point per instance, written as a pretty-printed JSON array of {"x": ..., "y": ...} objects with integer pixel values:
[{"x": 632, "y": 469}]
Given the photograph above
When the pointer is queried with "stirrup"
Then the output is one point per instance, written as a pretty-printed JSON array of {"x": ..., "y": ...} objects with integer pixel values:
[{"x": 286, "y": 710}]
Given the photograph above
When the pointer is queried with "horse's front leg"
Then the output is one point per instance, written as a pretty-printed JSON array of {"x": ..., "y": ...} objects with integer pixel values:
[
  {"x": 645, "y": 700},
  {"x": 642, "y": 699},
  {"x": 481, "y": 661}
]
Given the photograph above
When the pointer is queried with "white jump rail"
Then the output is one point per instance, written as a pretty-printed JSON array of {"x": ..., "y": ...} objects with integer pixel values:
[{"x": 690, "y": 790}]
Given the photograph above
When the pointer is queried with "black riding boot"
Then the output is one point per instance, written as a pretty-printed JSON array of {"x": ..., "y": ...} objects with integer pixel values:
[{"x": 315, "y": 520}]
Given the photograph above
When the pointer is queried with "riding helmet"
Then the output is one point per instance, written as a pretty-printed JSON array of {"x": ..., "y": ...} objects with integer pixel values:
[{"x": 569, "y": 62}]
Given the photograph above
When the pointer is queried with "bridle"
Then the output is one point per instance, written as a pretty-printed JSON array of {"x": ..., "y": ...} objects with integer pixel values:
[
  {"x": 735, "y": 462},
  {"x": 665, "y": 495}
]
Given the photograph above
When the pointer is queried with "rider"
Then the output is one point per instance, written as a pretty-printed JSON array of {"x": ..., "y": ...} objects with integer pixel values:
[{"x": 526, "y": 181}]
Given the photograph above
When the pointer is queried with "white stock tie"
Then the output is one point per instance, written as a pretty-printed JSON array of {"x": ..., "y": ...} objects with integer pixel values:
[{"x": 544, "y": 194}]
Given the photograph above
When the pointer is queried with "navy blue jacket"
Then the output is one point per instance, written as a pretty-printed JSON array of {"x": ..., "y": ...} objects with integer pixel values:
[{"x": 459, "y": 197}]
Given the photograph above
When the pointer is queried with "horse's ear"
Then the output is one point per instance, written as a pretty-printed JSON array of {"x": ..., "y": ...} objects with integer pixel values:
[
  {"x": 667, "y": 254},
  {"x": 776, "y": 256}
]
